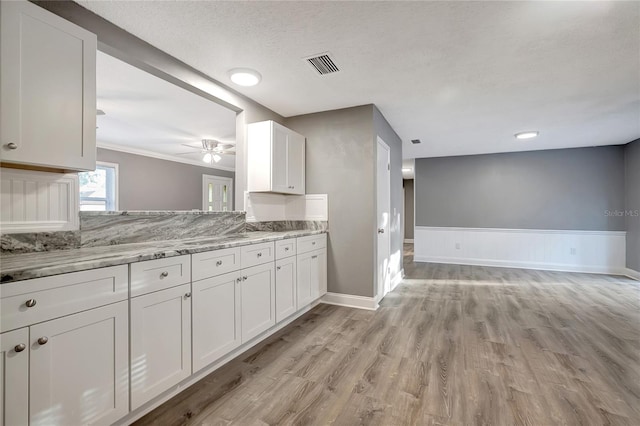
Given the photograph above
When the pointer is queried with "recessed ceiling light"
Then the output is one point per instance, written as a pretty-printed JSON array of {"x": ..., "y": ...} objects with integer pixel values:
[
  {"x": 526, "y": 135},
  {"x": 245, "y": 76}
]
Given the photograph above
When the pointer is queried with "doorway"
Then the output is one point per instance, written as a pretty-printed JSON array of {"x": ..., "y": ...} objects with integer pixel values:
[
  {"x": 217, "y": 193},
  {"x": 383, "y": 218}
]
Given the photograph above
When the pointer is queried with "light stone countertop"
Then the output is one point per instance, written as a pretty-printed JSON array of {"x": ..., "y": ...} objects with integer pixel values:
[{"x": 18, "y": 267}]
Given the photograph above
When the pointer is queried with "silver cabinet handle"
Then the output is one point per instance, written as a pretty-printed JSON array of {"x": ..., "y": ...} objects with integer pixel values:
[
  {"x": 239, "y": 279},
  {"x": 259, "y": 254},
  {"x": 314, "y": 257},
  {"x": 219, "y": 263},
  {"x": 20, "y": 347},
  {"x": 30, "y": 303},
  {"x": 43, "y": 340},
  {"x": 278, "y": 268},
  {"x": 244, "y": 278},
  {"x": 286, "y": 249},
  {"x": 12, "y": 145},
  {"x": 313, "y": 243},
  {"x": 380, "y": 230},
  {"x": 187, "y": 295},
  {"x": 165, "y": 274}
]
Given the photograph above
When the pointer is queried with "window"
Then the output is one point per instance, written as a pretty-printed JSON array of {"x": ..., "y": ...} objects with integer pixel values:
[{"x": 99, "y": 189}]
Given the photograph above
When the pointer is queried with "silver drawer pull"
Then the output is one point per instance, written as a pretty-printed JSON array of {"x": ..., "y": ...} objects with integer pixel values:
[
  {"x": 239, "y": 279},
  {"x": 20, "y": 347},
  {"x": 259, "y": 254},
  {"x": 43, "y": 340},
  {"x": 30, "y": 303},
  {"x": 12, "y": 145},
  {"x": 187, "y": 295},
  {"x": 165, "y": 274},
  {"x": 279, "y": 267},
  {"x": 244, "y": 278},
  {"x": 314, "y": 257},
  {"x": 313, "y": 243},
  {"x": 219, "y": 263},
  {"x": 286, "y": 249}
]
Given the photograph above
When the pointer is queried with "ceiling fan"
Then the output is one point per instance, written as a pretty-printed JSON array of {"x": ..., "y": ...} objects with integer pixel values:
[{"x": 212, "y": 150}]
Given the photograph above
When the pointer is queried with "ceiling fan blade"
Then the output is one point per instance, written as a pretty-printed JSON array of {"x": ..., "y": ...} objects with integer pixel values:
[{"x": 185, "y": 153}]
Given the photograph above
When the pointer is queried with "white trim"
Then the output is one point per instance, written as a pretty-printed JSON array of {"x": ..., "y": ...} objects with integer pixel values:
[
  {"x": 167, "y": 157},
  {"x": 519, "y": 231},
  {"x": 350, "y": 301},
  {"x": 408, "y": 241},
  {"x": 196, "y": 377},
  {"x": 204, "y": 190},
  {"x": 632, "y": 274},
  {"x": 396, "y": 280}
]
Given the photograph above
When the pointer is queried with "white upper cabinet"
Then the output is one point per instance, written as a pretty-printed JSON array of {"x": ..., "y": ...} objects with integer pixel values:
[
  {"x": 48, "y": 89},
  {"x": 275, "y": 159}
]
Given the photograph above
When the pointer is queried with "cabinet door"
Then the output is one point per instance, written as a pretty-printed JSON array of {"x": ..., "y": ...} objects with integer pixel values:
[
  {"x": 318, "y": 273},
  {"x": 160, "y": 342},
  {"x": 258, "y": 294},
  {"x": 285, "y": 288},
  {"x": 304, "y": 280},
  {"x": 14, "y": 377},
  {"x": 216, "y": 318},
  {"x": 78, "y": 371},
  {"x": 295, "y": 167},
  {"x": 48, "y": 89},
  {"x": 279, "y": 160}
]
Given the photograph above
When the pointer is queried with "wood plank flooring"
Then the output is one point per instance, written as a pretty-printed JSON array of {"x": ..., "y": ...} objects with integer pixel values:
[{"x": 452, "y": 345}]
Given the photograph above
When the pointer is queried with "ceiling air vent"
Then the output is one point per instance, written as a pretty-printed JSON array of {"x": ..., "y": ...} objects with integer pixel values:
[
  {"x": 322, "y": 63},
  {"x": 415, "y": 141}
]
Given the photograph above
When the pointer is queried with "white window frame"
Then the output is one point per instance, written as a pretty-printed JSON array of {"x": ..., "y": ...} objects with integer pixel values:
[{"x": 116, "y": 184}]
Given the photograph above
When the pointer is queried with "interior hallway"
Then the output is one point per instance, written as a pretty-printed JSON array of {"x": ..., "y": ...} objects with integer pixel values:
[{"x": 453, "y": 345}]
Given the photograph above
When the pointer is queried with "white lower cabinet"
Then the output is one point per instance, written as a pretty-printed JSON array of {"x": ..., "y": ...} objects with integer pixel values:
[
  {"x": 285, "y": 287},
  {"x": 78, "y": 369},
  {"x": 160, "y": 342},
  {"x": 311, "y": 276},
  {"x": 14, "y": 377},
  {"x": 216, "y": 318},
  {"x": 258, "y": 300}
]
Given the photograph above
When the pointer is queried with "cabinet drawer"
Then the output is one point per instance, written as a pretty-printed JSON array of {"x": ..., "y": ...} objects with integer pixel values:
[
  {"x": 215, "y": 262},
  {"x": 28, "y": 302},
  {"x": 256, "y": 254},
  {"x": 312, "y": 242},
  {"x": 158, "y": 274},
  {"x": 285, "y": 248}
]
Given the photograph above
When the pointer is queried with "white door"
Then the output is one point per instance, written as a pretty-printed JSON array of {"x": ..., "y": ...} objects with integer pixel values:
[
  {"x": 383, "y": 217},
  {"x": 217, "y": 193},
  {"x": 258, "y": 295},
  {"x": 304, "y": 273},
  {"x": 79, "y": 372},
  {"x": 285, "y": 287},
  {"x": 14, "y": 377},
  {"x": 48, "y": 89},
  {"x": 216, "y": 318},
  {"x": 160, "y": 342}
]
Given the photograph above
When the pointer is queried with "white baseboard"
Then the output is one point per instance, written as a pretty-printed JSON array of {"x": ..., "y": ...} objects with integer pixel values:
[
  {"x": 350, "y": 301},
  {"x": 196, "y": 377},
  {"x": 397, "y": 280},
  {"x": 556, "y": 250},
  {"x": 408, "y": 241},
  {"x": 632, "y": 274}
]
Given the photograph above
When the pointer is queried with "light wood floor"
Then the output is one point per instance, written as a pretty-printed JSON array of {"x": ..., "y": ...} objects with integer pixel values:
[{"x": 456, "y": 345}]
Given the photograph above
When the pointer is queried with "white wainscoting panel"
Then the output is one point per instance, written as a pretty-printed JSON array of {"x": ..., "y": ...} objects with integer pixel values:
[
  {"x": 33, "y": 201},
  {"x": 265, "y": 207},
  {"x": 560, "y": 250}
]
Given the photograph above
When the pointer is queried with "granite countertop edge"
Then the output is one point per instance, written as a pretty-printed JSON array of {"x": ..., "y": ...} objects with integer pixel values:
[{"x": 19, "y": 267}]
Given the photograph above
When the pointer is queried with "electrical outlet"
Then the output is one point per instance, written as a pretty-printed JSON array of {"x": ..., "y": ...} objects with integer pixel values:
[
  {"x": 457, "y": 246},
  {"x": 573, "y": 251}
]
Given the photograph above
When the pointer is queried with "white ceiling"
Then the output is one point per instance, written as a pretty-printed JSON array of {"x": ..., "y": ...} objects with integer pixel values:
[
  {"x": 146, "y": 114},
  {"x": 461, "y": 76}
]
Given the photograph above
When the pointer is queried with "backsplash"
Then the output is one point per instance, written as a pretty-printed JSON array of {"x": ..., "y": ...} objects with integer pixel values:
[
  {"x": 110, "y": 228},
  {"x": 30, "y": 242},
  {"x": 288, "y": 225}
]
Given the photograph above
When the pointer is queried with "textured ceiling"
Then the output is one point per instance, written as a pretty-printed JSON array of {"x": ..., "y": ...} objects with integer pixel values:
[
  {"x": 144, "y": 112},
  {"x": 461, "y": 76}
]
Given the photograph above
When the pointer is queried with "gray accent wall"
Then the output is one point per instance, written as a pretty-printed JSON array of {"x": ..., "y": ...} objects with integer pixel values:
[
  {"x": 567, "y": 189},
  {"x": 408, "y": 209},
  {"x": 146, "y": 183},
  {"x": 339, "y": 162},
  {"x": 632, "y": 196}
]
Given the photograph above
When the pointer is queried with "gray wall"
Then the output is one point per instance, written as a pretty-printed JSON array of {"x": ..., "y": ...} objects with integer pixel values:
[
  {"x": 556, "y": 189},
  {"x": 384, "y": 131},
  {"x": 408, "y": 209},
  {"x": 339, "y": 162},
  {"x": 146, "y": 183},
  {"x": 632, "y": 196}
]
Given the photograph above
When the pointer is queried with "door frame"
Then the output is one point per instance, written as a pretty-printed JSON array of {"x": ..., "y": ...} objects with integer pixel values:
[
  {"x": 380, "y": 290},
  {"x": 204, "y": 190}
]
